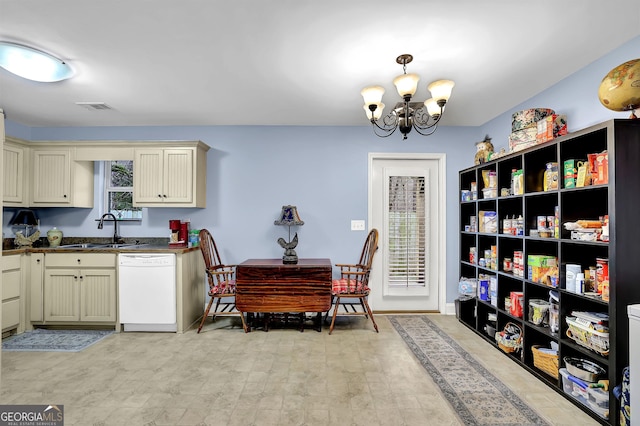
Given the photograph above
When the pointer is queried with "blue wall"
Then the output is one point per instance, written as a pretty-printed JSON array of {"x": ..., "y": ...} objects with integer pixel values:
[{"x": 253, "y": 171}]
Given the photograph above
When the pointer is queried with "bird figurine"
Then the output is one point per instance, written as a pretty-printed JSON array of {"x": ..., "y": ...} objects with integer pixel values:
[
  {"x": 290, "y": 255},
  {"x": 22, "y": 241}
]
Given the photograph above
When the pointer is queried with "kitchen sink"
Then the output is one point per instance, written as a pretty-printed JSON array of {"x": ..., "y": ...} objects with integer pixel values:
[
  {"x": 83, "y": 245},
  {"x": 99, "y": 246},
  {"x": 124, "y": 245}
]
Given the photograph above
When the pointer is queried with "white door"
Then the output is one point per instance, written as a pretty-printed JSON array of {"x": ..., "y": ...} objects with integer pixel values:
[{"x": 406, "y": 205}]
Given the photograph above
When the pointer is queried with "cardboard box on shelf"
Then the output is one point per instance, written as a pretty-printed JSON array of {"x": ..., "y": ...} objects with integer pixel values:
[{"x": 551, "y": 127}]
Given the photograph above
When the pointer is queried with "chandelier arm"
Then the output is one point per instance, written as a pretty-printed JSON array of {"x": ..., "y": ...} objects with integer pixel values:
[
  {"x": 388, "y": 131},
  {"x": 432, "y": 128},
  {"x": 421, "y": 124}
]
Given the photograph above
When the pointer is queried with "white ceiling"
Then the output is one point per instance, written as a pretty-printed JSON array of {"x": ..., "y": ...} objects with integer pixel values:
[{"x": 296, "y": 62}]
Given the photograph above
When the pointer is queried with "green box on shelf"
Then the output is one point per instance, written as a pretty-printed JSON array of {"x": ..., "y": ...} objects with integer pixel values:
[{"x": 541, "y": 260}]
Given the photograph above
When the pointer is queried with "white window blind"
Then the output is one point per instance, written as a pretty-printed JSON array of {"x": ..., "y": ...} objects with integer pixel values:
[{"x": 407, "y": 251}]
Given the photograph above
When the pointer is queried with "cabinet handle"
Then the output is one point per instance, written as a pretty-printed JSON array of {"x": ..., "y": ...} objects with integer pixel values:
[
  {"x": 78, "y": 260},
  {"x": 165, "y": 195},
  {"x": 159, "y": 195},
  {"x": 64, "y": 196},
  {"x": 75, "y": 277},
  {"x": 37, "y": 260},
  {"x": 81, "y": 277}
]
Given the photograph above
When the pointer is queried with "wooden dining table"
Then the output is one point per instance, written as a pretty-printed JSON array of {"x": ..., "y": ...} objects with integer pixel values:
[{"x": 270, "y": 286}]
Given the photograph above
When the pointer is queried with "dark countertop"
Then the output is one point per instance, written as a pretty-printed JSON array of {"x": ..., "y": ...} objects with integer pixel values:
[{"x": 148, "y": 245}]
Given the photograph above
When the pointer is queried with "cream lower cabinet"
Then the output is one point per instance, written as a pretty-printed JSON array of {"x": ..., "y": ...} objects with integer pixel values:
[
  {"x": 12, "y": 300},
  {"x": 80, "y": 287},
  {"x": 170, "y": 177}
]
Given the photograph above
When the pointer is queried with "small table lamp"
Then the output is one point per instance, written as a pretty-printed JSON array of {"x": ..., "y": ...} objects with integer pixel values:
[
  {"x": 24, "y": 224},
  {"x": 289, "y": 216}
]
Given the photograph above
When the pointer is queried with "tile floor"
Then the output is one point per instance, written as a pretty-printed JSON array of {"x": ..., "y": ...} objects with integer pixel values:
[{"x": 226, "y": 377}]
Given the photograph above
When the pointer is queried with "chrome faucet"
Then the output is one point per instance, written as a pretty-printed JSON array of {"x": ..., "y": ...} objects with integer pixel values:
[{"x": 116, "y": 238}]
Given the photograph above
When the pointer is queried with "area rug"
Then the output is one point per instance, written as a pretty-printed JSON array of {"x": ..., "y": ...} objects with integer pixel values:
[
  {"x": 41, "y": 340},
  {"x": 476, "y": 395}
]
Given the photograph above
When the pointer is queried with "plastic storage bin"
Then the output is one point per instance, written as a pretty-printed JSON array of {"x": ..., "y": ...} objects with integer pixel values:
[
  {"x": 538, "y": 312},
  {"x": 583, "y": 395}
]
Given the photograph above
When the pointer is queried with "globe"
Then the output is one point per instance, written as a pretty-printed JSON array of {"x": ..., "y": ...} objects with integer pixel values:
[{"x": 620, "y": 88}]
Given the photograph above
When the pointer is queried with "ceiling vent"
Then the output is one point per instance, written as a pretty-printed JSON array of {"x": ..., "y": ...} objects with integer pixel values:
[{"x": 94, "y": 106}]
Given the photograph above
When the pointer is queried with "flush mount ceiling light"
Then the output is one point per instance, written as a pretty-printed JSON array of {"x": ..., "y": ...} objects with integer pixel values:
[
  {"x": 407, "y": 115},
  {"x": 33, "y": 64}
]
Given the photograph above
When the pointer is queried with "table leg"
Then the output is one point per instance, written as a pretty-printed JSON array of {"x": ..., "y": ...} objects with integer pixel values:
[{"x": 318, "y": 322}]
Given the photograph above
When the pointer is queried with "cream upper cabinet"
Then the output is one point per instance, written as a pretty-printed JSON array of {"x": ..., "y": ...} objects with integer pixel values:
[
  {"x": 59, "y": 181},
  {"x": 14, "y": 166},
  {"x": 170, "y": 177}
]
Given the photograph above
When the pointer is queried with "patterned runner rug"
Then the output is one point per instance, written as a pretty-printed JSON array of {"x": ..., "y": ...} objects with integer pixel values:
[
  {"x": 42, "y": 340},
  {"x": 476, "y": 395}
]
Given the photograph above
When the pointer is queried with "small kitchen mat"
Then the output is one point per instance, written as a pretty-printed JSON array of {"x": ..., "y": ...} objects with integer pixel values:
[
  {"x": 477, "y": 396},
  {"x": 43, "y": 340}
]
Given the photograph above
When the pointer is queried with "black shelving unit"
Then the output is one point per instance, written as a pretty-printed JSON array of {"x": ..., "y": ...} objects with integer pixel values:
[{"x": 619, "y": 199}]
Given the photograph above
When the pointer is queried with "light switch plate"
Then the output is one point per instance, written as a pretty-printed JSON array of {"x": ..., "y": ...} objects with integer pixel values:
[{"x": 357, "y": 225}]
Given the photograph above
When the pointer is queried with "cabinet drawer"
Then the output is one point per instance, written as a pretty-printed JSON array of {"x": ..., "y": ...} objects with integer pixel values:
[
  {"x": 10, "y": 314},
  {"x": 10, "y": 262},
  {"x": 10, "y": 285},
  {"x": 84, "y": 260}
]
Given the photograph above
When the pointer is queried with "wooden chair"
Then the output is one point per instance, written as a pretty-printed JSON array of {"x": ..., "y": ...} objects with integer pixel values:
[
  {"x": 221, "y": 278},
  {"x": 353, "y": 286}
]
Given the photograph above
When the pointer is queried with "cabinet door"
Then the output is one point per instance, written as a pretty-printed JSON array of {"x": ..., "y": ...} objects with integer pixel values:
[
  {"x": 178, "y": 176},
  {"x": 11, "y": 288},
  {"x": 13, "y": 192},
  {"x": 147, "y": 176},
  {"x": 62, "y": 294},
  {"x": 36, "y": 286},
  {"x": 98, "y": 295},
  {"x": 51, "y": 177}
]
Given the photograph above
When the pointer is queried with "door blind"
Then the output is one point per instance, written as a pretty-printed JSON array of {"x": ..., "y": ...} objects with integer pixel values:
[{"x": 407, "y": 231}]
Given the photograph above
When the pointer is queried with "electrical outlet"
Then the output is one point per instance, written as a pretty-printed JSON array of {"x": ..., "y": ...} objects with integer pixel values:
[{"x": 357, "y": 225}]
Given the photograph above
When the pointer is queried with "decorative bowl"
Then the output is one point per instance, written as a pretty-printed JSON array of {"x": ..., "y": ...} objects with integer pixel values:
[{"x": 583, "y": 369}]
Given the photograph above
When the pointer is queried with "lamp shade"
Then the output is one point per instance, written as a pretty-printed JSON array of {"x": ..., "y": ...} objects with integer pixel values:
[
  {"x": 441, "y": 89},
  {"x": 432, "y": 107},
  {"x": 24, "y": 217},
  {"x": 377, "y": 113},
  {"x": 406, "y": 84},
  {"x": 289, "y": 216},
  {"x": 372, "y": 94}
]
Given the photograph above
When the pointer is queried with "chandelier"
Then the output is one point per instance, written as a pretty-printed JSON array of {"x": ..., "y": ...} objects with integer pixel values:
[{"x": 407, "y": 115}]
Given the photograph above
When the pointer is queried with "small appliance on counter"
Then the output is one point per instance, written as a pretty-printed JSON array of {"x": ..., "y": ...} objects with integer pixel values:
[{"x": 179, "y": 233}]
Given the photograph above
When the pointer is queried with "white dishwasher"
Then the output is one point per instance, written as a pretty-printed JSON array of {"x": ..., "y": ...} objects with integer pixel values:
[{"x": 147, "y": 291}]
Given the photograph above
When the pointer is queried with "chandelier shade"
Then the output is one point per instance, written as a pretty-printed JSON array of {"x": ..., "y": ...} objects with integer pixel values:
[
  {"x": 406, "y": 84},
  {"x": 423, "y": 117}
]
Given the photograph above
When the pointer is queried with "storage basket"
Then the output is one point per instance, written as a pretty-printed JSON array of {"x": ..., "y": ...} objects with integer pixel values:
[
  {"x": 510, "y": 338},
  {"x": 545, "y": 362},
  {"x": 592, "y": 339}
]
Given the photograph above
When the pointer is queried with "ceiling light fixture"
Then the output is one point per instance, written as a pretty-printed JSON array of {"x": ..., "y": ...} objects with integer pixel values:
[
  {"x": 33, "y": 64},
  {"x": 407, "y": 115}
]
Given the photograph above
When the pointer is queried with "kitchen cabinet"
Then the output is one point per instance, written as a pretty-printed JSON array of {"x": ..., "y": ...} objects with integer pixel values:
[
  {"x": 12, "y": 294},
  {"x": 80, "y": 287},
  {"x": 615, "y": 197},
  {"x": 35, "y": 286},
  {"x": 59, "y": 180},
  {"x": 170, "y": 176},
  {"x": 15, "y": 156}
]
